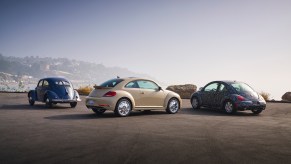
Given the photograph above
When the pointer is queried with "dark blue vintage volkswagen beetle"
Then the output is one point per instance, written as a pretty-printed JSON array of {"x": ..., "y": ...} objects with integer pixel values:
[{"x": 54, "y": 90}]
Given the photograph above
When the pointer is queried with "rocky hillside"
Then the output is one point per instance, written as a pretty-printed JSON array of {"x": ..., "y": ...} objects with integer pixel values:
[
  {"x": 286, "y": 96},
  {"x": 185, "y": 91}
]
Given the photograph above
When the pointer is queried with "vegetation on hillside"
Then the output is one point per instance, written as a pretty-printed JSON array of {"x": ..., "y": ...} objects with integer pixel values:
[
  {"x": 85, "y": 90},
  {"x": 265, "y": 95}
]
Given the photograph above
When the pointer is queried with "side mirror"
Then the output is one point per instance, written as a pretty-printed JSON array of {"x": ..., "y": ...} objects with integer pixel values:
[
  {"x": 160, "y": 88},
  {"x": 200, "y": 89}
]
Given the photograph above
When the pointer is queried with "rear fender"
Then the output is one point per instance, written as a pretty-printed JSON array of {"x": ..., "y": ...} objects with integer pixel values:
[
  {"x": 123, "y": 94},
  {"x": 77, "y": 96},
  {"x": 51, "y": 95},
  {"x": 231, "y": 98}
]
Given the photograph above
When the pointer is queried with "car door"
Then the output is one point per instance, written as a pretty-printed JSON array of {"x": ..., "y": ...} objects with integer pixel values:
[
  {"x": 38, "y": 90},
  {"x": 42, "y": 90},
  {"x": 151, "y": 96},
  {"x": 208, "y": 93},
  {"x": 221, "y": 93}
]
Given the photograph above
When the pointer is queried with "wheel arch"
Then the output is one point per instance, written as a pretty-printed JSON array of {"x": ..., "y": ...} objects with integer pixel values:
[
  {"x": 123, "y": 94},
  {"x": 50, "y": 95},
  {"x": 170, "y": 96},
  {"x": 32, "y": 94},
  {"x": 197, "y": 95}
]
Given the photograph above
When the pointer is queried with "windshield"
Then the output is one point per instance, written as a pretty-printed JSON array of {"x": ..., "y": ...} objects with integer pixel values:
[
  {"x": 111, "y": 83},
  {"x": 243, "y": 88}
]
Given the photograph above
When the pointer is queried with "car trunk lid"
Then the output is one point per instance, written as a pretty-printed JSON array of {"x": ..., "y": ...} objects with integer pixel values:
[
  {"x": 64, "y": 91},
  {"x": 99, "y": 91}
]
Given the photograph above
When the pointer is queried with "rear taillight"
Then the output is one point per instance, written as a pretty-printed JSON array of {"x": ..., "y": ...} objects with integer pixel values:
[
  {"x": 109, "y": 94},
  {"x": 240, "y": 98}
]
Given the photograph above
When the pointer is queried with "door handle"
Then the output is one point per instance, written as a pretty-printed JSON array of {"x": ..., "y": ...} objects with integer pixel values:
[{"x": 141, "y": 92}]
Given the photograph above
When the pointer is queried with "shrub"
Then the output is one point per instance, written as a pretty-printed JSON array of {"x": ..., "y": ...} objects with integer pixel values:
[
  {"x": 85, "y": 90},
  {"x": 265, "y": 95}
]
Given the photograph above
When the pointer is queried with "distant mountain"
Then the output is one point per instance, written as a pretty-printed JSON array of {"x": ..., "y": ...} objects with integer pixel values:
[{"x": 79, "y": 72}]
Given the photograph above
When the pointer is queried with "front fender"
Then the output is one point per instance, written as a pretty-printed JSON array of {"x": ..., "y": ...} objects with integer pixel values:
[
  {"x": 196, "y": 94},
  {"x": 32, "y": 94},
  {"x": 172, "y": 95}
]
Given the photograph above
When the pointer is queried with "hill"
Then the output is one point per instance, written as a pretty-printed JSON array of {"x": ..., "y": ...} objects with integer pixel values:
[{"x": 18, "y": 73}]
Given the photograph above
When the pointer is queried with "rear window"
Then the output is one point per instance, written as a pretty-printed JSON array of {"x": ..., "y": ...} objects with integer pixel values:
[
  {"x": 62, "y": 82},
  {"x": 243, "y": 88},
  {"x": 111, "y": 83}
]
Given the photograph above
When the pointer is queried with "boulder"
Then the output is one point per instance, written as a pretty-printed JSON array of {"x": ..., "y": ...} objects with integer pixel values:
[
  {"x": 185, "y": 91},
  {"x": 286, "y": 96}
]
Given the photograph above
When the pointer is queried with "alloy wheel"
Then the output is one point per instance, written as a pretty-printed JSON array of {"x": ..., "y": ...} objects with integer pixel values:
[
  {"x": 228, "y": 107},
  {"x": 195, "y": 103},
  {"x": 173, "y": 105},
  {"x": 124, "y": 107}
]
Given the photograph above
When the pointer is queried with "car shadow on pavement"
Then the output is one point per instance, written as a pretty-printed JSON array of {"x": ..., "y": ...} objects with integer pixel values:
[
  {"x": 215, "y": 112},
  {"x": 103, "y": 116},
  {"x": 29, "y": 107}
]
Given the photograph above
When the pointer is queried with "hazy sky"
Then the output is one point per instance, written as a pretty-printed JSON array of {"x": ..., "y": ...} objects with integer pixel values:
[{"x": 176, "y": 42}]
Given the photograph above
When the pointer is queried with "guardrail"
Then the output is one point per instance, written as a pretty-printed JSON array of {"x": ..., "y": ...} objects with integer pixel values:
[{"x": 275, "y": 101}]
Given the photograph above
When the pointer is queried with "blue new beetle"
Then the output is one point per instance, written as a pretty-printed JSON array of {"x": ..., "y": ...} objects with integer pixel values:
[
  {"x": 229, "y": 96},
  {"x": 52, "y": 91}
]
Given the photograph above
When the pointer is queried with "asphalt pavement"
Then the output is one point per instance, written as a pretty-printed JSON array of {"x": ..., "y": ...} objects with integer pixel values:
[{"x": 36, "y": 134}]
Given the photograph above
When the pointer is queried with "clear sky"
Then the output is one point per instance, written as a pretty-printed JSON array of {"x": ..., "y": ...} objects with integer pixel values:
[{"x": 176, "y": 42}]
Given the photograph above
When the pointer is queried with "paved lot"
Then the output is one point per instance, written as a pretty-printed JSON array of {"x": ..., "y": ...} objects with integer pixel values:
[{"x": 64, "y": 135}]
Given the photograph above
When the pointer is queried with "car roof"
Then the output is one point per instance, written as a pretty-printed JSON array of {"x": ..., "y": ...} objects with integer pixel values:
[
  {"x": 134, "y": 78},
  {"x": 227, "y": 81},
  {"x": 54, "y": 78}
]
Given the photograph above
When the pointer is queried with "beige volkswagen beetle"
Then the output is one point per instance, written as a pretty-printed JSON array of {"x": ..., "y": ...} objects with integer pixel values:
[{"x": 122, "y": 95}]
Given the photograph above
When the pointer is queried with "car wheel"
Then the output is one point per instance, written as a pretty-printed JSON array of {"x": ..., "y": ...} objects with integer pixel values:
[
  {"x": 257, "y": 111},
  {"x": 173, "y": 106},
  {"x": 123, "y": 107},
  {"x": 30, "y": 100},
  {"x": 229, "y": 107},
  {"x": 73, "y": 104},
  {"x": 48, "y": 102},
  {"x": 99, "y": 111},
  {"x": 195, "y": 103}
]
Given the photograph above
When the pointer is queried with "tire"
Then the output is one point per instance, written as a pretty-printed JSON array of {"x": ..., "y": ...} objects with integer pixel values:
[
  {"x": 30, "y": 100},
  {"x": 229, "y": 107},
  {"x": 73, "y": 104},
  {"x": 195, "y": 103},
  {"x": 173, "y": 106},
  {"x": 48, "y": 102},
  {"x": 257, "y": 111},
  {"x": 99, "y": 111},
  {"x": 123, "y": 107}
]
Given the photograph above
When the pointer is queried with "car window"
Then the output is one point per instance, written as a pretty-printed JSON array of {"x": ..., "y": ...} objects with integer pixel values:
[
  {"x": 132, "y": 84},
  {"x": 144, "y": 84},
  {"x": 243, "y": 88},
  {"x": 111, "y": 83},
  {"x": 211, "y": 87},
  {"x": 45, "y": 83},
  {"x": 40, "y": 83},
  {"x": 222, "y": 88},
  {"x": 62, "y": 82}
]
